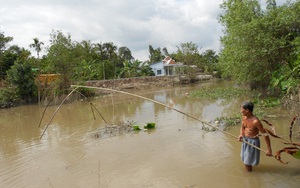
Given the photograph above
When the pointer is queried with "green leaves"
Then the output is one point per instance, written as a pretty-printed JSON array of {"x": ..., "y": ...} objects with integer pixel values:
[
  {"x": 259, "y": 42},
  {"x": 4, "y": 40},
  {"x": 37, "y": 45},
  {"x": 21, "y": 76},
  {"x": 287, "y": 77},
  {"x": 155, "y": 54}
]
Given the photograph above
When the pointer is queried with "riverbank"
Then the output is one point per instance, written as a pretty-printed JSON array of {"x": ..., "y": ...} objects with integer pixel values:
[
  {"x": 7, "y": 100},
  {"x": 145, "y": 82}
]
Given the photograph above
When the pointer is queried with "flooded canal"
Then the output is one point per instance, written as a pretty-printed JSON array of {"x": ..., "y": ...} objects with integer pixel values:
[{"x": 178, "y": 153}]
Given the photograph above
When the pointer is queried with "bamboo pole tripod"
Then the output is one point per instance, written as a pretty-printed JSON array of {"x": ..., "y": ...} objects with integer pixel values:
[{"x": 145, "y": 98}]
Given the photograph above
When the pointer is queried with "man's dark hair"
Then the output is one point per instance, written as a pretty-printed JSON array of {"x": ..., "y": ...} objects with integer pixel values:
[{"x": 248, "y": 106}]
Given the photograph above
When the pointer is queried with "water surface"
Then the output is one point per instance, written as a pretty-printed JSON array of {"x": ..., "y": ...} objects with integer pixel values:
[{"x": 178, "y": 153}]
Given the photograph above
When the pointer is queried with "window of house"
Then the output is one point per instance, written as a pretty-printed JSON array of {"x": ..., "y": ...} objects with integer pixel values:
[{"x": 158, "y": 72}]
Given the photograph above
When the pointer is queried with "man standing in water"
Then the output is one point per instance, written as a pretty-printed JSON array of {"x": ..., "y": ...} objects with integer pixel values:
[{"x": 250, "y": 128}]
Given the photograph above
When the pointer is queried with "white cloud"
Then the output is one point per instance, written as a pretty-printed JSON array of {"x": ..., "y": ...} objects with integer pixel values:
[{"x": 132, "y": 23}]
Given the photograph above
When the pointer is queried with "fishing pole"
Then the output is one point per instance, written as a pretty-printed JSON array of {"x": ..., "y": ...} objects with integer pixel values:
[
  {"x": 181, "y": 112},
  {"x": 57, "y": 111}
]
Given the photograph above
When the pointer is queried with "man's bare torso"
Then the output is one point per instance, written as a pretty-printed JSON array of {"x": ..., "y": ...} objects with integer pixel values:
[{"x": 249, "y": 124}]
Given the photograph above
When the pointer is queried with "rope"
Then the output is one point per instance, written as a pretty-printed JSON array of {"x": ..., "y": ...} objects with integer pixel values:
[{"x": 203, "y": 122}]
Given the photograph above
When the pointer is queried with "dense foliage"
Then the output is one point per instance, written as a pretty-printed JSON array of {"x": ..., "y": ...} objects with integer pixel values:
[
  {"x": 21, "y": 76},
  {"x": 76, "y": 62},
  {"x": 261, "y": 47}
]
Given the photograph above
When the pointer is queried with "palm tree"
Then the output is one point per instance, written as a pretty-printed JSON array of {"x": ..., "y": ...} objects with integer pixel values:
[
  {"x": 37, "y": 45},
  {"x": 100, "y": 51},
  {"x": 111, "y": 53},
  {"x": 124, "y": 53},
  {"x": 110, "y": 50}
]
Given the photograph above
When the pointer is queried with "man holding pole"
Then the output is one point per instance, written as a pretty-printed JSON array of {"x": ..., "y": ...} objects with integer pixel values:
[{"x": 250, "y": 128}]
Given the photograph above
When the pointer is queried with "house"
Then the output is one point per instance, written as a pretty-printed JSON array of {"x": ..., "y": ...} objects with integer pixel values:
[{"x": 165, "y": 67}]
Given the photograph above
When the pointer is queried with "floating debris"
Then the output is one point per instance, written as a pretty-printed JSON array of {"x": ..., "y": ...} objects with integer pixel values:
[
  {"x": 114, "y": 130},
  {"x": 119, "y": 129}
]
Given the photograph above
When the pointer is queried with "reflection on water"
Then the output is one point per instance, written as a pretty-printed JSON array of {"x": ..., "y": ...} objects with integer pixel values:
[{"x": 178, "y": 153}]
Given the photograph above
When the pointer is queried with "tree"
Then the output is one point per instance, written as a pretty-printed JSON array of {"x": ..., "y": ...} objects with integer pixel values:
[
  {"x": 146, "y": 70},
  {"x": 85, "y": 50},
  {"x": 61, "y": 58},
  {"x": 136, "y": 68},
  {"x": 88, "y": 70},
  {"x": 165, "y": 51},
  {"x": 10, "y": 56},
  {"x": 4, "y": 40},
  {"x": 257, "y": 43},
  {"x": 271, "y": 4},
  {"x": 37, "y": 45},
  {"x": 188, "y": 54},
  {"x": 155, "y": 55},
  {"x": 127, "y": 70},
  {"x": 99, "y": 49},
  {"x": 110, "y": 53},
  {"x": 21, "y": 76},
  {"x": 125, "y": 54},
  {"x": 210, "y": 59}
]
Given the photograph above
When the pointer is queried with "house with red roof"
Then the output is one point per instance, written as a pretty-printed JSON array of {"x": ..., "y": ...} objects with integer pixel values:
[{"x": 165, "y": 67}]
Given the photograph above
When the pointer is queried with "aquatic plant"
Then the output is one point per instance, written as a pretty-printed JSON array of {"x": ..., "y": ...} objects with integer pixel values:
[
  {"x": 149, "y": 126},
  {"x": 136, "y": 128}
]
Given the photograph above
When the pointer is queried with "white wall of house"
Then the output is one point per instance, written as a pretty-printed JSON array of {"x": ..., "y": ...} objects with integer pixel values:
[
  {"x": 158, "y": 68},
  {"x": 169, "y": 70}
]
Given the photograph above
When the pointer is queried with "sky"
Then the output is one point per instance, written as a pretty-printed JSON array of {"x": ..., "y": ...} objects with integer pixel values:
[{"x": 135, "y": 24}]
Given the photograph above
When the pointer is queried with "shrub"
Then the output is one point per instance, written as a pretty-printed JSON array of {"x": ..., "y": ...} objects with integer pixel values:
[
  {"x": 7, "y": 97},
  {"x": 22, "y": 78}
]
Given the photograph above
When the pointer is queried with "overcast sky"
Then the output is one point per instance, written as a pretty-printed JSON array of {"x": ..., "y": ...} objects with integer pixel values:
[{"x": 132, "y": 23}]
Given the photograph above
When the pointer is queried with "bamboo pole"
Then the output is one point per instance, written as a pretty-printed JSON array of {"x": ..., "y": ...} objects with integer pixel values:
[
  {"x": 181, "y": 112},
  {"x": 91, "y": 105},
  {"x": 57, "y": 111}
]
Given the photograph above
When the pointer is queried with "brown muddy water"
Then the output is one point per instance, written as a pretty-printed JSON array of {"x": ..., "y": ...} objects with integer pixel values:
[{"x": 178, "y": 153}]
